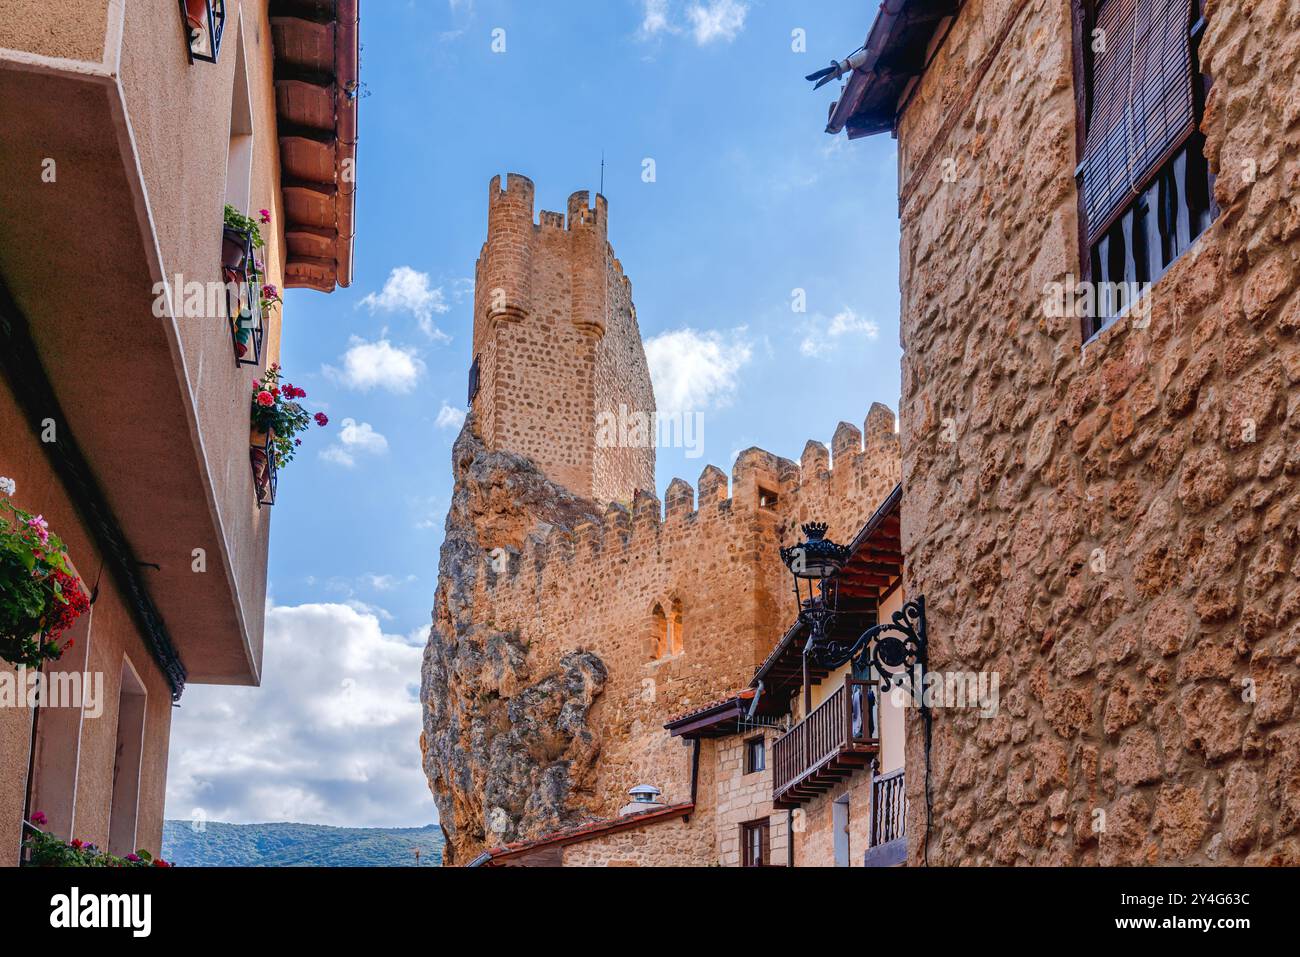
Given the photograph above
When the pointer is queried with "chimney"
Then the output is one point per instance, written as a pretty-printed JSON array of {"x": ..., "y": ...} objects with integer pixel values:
[{"x": 645, "y": 797}]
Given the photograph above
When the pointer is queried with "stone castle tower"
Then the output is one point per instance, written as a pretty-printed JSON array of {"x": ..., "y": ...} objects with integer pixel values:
[
  {"x": 556, "y": 343},
  {"x": 548, "y": 674}
]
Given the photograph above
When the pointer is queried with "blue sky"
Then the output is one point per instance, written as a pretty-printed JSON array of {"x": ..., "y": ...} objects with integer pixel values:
[{"x": 750, "y": 202}]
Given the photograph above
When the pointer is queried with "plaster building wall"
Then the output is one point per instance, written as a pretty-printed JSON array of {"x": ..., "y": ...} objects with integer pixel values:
[
  {"x": 73, "y": 30},
  {"x": 111, "y": 636},
  {"x": 1168, "y": 450},
  {"x": 181, "y": 121},
  {"x": 137, "y": 107}
]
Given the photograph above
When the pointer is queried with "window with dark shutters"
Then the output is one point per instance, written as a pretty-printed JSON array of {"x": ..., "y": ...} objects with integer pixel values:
[{"x": 1145, "y": 191}]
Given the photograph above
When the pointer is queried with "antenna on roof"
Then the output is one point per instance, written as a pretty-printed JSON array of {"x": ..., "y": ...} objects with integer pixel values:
[{"x": 602, "y": 172}]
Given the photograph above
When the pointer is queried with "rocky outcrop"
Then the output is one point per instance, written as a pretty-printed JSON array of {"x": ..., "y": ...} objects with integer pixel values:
[{"x": 506, "y": 744}]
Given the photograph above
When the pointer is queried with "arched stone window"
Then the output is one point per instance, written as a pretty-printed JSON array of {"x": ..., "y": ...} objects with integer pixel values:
[
  {"x": 659, "y": 633},
  {"x": 676, "y": 639}
]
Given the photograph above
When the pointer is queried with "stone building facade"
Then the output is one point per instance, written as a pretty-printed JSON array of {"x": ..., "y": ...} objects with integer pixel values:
[
  {"x": 547, "y": 681},
  {"x": 1110, "y": 525}
]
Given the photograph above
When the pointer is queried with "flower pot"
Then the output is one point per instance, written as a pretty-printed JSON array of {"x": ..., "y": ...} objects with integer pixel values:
[
  {"x": 234, "y": 248},
  {"x": 196, "y": 14},
  {"x": 259, "y": 453}
]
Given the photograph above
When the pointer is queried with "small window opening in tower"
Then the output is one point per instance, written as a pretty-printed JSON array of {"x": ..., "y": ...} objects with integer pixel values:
[{"x": 660, "y": 633}]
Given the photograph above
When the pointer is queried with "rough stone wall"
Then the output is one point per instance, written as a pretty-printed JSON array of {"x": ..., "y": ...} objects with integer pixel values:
[
  {"x": 675, "y": 843},
  {"x": 743, "y": 798},
  {"x": 568, "y": 601},
  {"x": 622, "y": 383},
  {"x": 1168, "y": 452},
  {"x": 557, "y": 340}
]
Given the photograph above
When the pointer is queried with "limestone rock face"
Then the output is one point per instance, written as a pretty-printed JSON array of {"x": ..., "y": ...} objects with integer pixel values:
[{"x": 506, "y": 745}]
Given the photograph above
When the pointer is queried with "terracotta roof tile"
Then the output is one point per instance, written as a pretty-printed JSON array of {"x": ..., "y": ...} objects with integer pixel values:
[
  {"x": 744, "y": 694},
  {"x": 590, "y": 829}
]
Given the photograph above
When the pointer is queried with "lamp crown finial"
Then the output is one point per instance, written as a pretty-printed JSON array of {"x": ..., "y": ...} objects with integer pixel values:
[{"x": 815, "y": 530}]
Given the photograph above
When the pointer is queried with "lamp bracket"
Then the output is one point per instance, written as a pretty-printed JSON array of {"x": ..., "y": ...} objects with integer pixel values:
[{"x": 895, "y": 649}]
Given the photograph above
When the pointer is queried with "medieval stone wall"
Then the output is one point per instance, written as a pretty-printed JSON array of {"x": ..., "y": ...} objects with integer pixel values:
[
  {"x": 1113, "y": 527},
  {"x": 535, "y": 579}
]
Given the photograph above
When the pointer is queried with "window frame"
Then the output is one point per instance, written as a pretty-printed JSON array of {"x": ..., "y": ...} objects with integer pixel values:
[
  {"x": 762, "y": 827},
  {"x": 761, "y": 742},
  {"x": 1083, "y": 19}
]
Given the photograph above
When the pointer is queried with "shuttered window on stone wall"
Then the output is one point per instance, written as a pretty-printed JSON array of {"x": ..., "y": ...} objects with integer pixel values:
[
  {"x": 1143, "y": 101},
  {"x": 1145, "y": 191}
]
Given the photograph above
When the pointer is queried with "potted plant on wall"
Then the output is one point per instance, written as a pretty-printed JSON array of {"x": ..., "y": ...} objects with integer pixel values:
[
  {"x": 43, "y": 849},
  {"x": 40, "y": 594},
  {"x": 277, "y": 418},
  {"x": 236, "y": 235}
]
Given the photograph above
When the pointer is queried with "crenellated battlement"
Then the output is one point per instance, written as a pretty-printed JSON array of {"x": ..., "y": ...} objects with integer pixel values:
[
  {"x": 515, "y": 203},
  {"x": 678, "y": 599},
  {"x": 556, "y": 339},
  {"x": 766, "y": 494}
]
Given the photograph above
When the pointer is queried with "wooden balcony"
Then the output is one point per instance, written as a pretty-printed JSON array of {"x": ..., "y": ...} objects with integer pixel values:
[{"x": 839, "y": 737}]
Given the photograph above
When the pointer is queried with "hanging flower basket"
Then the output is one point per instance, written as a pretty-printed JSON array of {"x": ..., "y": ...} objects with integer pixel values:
[
  {"x": 277, "y": 418},
  {"x": 240, "y": 239},
  {"x": 40, "y": 594},
  {"x": 234, "y": 249}
]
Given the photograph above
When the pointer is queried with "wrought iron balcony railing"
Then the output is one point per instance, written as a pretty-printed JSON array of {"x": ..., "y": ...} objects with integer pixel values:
[
  {"x": 203, "y": 22},
  {"x": 840, "y": 736},
  {"x": 243, "y": 296}
]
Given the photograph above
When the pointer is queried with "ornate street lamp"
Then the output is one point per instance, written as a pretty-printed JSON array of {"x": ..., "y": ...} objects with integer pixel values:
[
  {"x": 895, "y": 650},
  {"x": 815, "y": 563}
]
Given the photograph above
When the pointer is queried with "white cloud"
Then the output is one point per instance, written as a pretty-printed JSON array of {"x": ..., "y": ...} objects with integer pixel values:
[
  {"x": 707, "y": 21},
  {"x": 367, "y": 365},
  {"x": 716, "y": 20},
  {"x": 450, "y": 417},
  {"x": 694, "y": 370},
  {"x": 410, "y": 291},
  {"x": 330, "y": 737},
  {"x": 654, "y": 19},
  {"x": 823, "y": 337},
  {"x": 387, "y": 582},
  {"x": 355, "y": 438}
]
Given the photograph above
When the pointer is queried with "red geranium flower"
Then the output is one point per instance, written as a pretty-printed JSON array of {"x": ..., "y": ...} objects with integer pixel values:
[
  {"x": 322, "y": 419},
  {"x": 265, "y": 398},
  {"x": 265, "y": 214}
]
